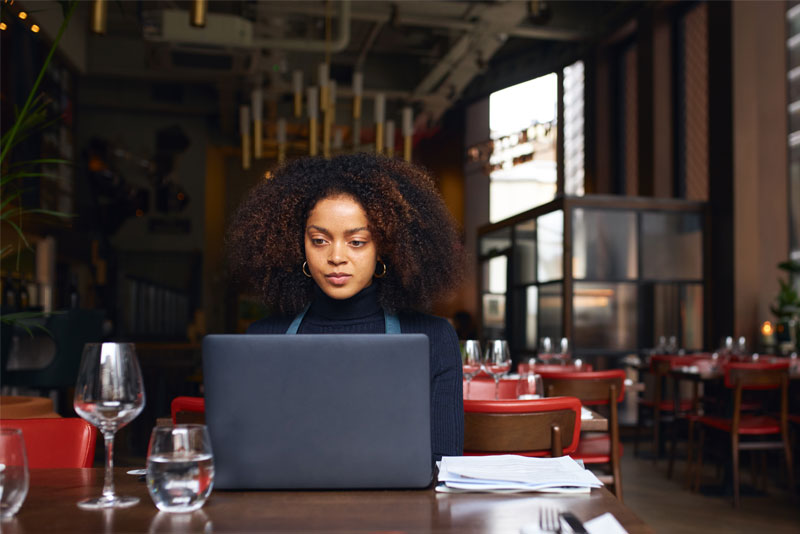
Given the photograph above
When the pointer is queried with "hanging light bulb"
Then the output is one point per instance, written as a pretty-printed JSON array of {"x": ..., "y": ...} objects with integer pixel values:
[
  {"x": 244, "y": 129},
  {"x": 198, "y": 12},
  {"x": 322, "y": 81},
  {"x": 297, "y": 85},
  {"x": 257, "y": 103},
  {"x": 408, "y": 131},
  {"x": 99, "y": 18},
  {"x": 380, "y": 110},
  {"x": 358, "y": 91},
  {"x": 311, "y": 96},
  {"x": 390, "y": 138},
  {"x": 281, "y": 135},
  {"x": 330, "y": 115}
]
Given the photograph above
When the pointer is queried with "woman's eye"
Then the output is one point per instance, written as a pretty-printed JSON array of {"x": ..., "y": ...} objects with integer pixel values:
[
  {"x": 318, "y": 241},
  {"x": 357, "y": 243}
]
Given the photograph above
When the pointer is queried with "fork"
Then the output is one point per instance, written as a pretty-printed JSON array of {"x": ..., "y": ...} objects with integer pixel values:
[{"x": 549, "y": 520}]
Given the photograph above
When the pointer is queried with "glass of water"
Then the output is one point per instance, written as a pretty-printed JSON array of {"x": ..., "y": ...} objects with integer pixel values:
[
  {"x": 180, "y": 467},
  {"x": 529, "y": 386},
  {"x": 13, "y": 472}
]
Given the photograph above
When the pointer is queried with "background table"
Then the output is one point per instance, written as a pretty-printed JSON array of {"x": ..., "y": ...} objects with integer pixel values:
[{"x": 51, "y": 507}]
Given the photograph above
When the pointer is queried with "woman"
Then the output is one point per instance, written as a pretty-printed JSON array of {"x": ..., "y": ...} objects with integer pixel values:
[{"x": 357, "y": 244}]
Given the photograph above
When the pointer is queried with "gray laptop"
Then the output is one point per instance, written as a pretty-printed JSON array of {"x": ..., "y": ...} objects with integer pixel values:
[{"x": 318, "y": 411}]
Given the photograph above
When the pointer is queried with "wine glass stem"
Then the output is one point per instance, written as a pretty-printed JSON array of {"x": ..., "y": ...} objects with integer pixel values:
[
  {"x": 496, "y": 386},
  {"x": 108, "y": 482},
  {"x": 469, "y": 380}
]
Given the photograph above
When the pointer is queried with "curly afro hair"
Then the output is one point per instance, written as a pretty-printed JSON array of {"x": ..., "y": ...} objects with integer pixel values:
[{"x": 415, "y": 234}]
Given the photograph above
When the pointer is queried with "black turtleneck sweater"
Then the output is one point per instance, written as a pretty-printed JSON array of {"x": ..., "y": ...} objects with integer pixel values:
[{"x": 361, "y": 314}]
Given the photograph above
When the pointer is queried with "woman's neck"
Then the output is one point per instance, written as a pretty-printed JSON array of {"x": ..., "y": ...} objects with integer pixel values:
[{"x": 362, "y": 304}]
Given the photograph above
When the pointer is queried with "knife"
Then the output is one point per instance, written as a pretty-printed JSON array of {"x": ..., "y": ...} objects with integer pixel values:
[{"x": 573, "y": 522}]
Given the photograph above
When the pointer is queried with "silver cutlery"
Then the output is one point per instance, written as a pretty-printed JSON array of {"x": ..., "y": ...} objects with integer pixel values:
[
  {"x": 549, "y": 520},
  {"x": 574, "y": 523}
]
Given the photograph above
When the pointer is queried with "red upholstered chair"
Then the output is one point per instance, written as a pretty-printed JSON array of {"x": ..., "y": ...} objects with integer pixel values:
[
  {"x": 747, "y": 430},
  {"x": 56, "y": 442},
  {"x": 595, "y": 388},
  {"x": 188, "y": 410},
  {"x": 539, "y": 427}
]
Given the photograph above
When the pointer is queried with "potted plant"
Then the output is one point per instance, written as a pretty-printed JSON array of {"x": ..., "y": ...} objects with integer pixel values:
[
  {"x": 15, "y": 175},
  {"x": 787, "y": 307}
]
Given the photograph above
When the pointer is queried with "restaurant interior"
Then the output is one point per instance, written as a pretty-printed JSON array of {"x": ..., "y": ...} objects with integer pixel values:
[{"x": 625, "y": 176}]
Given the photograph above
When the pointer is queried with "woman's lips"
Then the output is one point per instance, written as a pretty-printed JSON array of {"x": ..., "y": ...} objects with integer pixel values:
[{"x": 337, "y": 279}]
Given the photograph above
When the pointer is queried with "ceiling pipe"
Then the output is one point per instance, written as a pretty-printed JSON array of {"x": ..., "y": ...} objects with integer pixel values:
[
  {"x": 238, "y": 32},
  {"x": 522, "y": 31}
]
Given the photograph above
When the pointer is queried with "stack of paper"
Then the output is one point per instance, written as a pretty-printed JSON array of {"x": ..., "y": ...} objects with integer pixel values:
[{"x": 511, "y": 473}]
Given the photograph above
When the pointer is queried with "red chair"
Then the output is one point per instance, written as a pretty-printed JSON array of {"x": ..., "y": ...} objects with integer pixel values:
[
  {"x": 56, "y": 442},
  {"x": 188, "y": 410},
  {"x": 661, "y": 406},
  {"x": 748, "y": 430},
  {"x": 482, "y": 388},
  {"x": 595, "y": 388},
  {"x": 540, "y": 427},
  {"x": 553, "y": 368}
]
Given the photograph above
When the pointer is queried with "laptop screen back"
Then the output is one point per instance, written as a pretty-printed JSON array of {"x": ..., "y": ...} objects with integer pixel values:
[{"x": 318, "y": 411}]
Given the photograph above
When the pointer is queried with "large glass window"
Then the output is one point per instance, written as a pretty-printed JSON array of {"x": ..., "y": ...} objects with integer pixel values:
[{"x": 522, "y": 124}]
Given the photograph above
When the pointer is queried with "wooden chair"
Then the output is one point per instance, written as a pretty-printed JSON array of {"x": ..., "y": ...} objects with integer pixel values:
[
  {"x": 747, "y": 430},
  {"x": 56, "y": 442},
  {"x": 595, "y": 388},
  {"x": 662, "y": 405},
  {"x": 188, "y": 410},
  {"x": 539, "y": 427}
]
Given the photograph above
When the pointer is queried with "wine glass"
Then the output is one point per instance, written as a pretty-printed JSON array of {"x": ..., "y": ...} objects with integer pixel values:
[
  {"x": 109, "y": 394},
  {"x": 470, "y": 359},
  {"x": 497, "y": 361},
  {"x": 14, "y": 477}
]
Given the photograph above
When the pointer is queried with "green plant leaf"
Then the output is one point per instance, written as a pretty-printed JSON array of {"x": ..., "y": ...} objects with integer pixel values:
[
  {"x": 42, "y": 161},
  {"x": 52, "y": 213},
  {"x": 8, "y": 142},
  {"x": 19, "y": 232},
  {"x": 790, "y": 266}
]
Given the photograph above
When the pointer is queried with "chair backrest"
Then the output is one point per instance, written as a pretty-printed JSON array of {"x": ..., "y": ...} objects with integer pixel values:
[
  {"x": 57, "y": 442},
  {"x": 188, "y": 410},
  {"x": 592, "y": 388},
  {"x": 553, "y": 368},
  {"x": 539, "y": 427},
  {"x": 482, "y": 388},
  {"x": 756, "y": 375}
]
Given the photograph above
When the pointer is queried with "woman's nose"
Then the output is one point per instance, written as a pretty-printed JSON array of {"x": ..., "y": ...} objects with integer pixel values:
[{"x": 336, "y": 256}]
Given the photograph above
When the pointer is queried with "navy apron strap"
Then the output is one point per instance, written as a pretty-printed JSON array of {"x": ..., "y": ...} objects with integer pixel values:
[
  {"x": 297, "y": 320},
  {"x": 391, "y": 321}
]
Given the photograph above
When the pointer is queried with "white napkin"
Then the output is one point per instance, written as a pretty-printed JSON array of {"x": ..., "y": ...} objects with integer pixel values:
[{"x": 603, "y": 524}]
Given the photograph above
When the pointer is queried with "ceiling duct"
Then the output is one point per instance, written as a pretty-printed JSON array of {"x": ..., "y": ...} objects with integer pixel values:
[{"x": 232, "y": 31}]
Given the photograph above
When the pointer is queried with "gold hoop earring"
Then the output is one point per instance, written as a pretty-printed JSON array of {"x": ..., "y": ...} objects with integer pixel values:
[
  {"x": 383, "y": 273},
  {"x": 304, "y": 267}
]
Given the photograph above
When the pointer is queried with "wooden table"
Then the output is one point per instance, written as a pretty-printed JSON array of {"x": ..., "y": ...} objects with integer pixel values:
[
  {"x": 51, "y": 507},
  {"x": 594, "y": 422}
]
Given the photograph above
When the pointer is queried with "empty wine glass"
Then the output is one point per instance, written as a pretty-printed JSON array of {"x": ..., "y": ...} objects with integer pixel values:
[
  {"x": 497, "y": 361},
  {"x": 545, "y": 350},
  {"x": 109, "y": 394},
  {"x": 470, "y": 359}
]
